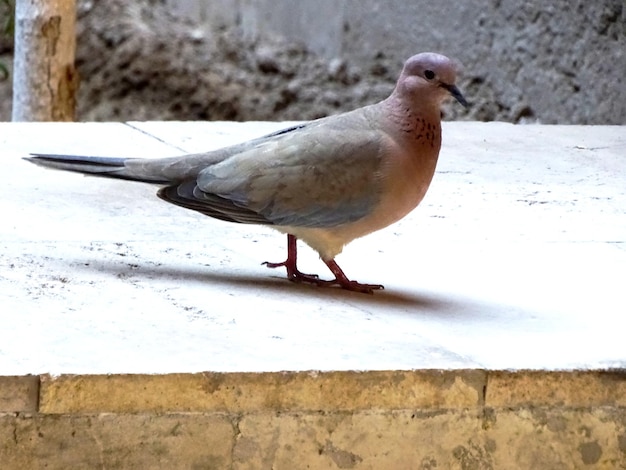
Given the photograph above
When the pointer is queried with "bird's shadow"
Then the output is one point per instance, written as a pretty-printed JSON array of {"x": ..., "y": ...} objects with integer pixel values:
[{"x": 275, "y": 282}]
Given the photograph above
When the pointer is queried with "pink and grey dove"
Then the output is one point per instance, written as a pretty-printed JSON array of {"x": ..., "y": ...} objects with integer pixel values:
[{"x": 325, "y": 182}]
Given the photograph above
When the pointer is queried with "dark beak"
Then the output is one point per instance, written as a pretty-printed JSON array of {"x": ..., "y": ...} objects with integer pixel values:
[{"x": 454, "y": 91}]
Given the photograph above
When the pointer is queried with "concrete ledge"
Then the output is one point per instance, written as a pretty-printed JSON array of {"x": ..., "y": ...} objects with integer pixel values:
[
  {"x": 306, "y": 391},
  {"x": 256, "y": 392},
  {"x": 556, "y": 389},
  {"x": 515, "y": 260},
  {"x": 498, "y": 342},
  {"x": 465, "y": 419}
]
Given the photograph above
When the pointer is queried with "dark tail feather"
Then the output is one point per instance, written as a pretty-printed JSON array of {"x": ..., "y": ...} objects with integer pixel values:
[{"x": 98, "y": 166}]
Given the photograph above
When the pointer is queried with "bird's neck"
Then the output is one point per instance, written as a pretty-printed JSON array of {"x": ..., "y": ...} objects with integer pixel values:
[{"x": 416, "y": 124}]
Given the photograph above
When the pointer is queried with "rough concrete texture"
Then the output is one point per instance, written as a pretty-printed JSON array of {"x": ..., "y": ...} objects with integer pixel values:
[
  {"x": 570, "y": 389},
  {"x": 551, "y": 63},
  {"x": 538, "y": 429},
  {"x": 19, "y": 394},
  {"x": 282, "y": 391},
  {"x": 134, "y": 441},
  {"x": 555, "y": 62}
]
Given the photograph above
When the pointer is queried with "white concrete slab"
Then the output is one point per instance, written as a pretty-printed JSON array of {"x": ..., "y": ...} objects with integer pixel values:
[{"x": 515, "y": 259}]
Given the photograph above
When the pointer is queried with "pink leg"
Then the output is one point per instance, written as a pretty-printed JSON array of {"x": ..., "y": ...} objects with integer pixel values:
[
  {"x": 291, "y": 264},
  {"x": 293, "y": 274},
  {"x": 342, "y": 281}
]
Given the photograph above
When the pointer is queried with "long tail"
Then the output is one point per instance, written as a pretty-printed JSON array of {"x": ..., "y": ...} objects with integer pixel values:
[{"x": 109, "y": 167}]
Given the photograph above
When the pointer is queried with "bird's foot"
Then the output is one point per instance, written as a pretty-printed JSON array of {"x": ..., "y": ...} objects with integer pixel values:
[
  {"x": 355, "y": 286},
  {"x": 341, "y": 280},
  {"x": 294, "y": 275}
]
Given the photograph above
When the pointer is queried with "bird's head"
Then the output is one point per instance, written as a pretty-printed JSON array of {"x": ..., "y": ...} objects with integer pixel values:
[{"x": 429, "y": 77}]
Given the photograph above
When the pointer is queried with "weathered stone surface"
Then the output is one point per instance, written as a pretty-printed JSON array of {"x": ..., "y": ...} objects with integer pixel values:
[
  {"x": 526, "y": 420},
  {"x": 396, "y": 419},
  {"x": 554, "y": 388},
  {"x": 116, "y": 441},
  {"x": 252, "y": 392},
  {"x": 19, "y": 394},
  {"x": 557, "y": 438},
  {"x": 330, "y": 391},
  {"x": 525, "y": 438},
  {"x": 370, "y": 440}
]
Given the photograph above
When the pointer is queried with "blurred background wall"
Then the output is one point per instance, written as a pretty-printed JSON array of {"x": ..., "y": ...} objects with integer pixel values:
[{"x": 558, "y": 61}]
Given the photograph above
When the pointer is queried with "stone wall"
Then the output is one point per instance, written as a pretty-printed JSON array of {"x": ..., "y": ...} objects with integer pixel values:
[
  {"x": 463, "y": 419},
  {"x": 560, "y": 61}
]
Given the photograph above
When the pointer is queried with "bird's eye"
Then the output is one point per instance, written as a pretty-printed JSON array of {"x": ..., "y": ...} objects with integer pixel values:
[{"x": 429, "y": 74}]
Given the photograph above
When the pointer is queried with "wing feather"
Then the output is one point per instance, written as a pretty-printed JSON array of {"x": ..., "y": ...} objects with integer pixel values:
[{"x": 317, "y": 175}]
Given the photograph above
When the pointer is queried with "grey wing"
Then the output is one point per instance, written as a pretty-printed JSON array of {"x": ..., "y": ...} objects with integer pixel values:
[
  {"x": 186, "y": 167},
  {"x": 323, "y": 178}
]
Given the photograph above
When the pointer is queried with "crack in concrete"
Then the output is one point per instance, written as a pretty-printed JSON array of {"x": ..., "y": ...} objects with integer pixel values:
[
  {"x": 169, "y": 144},
  {"x": 235, "y": 420}
]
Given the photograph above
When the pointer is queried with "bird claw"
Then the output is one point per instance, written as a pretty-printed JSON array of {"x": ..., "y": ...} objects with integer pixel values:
[
  {"x": 352, "y": 286},
  {"x": 274, "y": 265},
  {"x": 355, "y": 286}
]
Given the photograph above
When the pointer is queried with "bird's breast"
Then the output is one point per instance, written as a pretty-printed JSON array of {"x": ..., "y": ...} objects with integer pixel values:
[{"x": 406, "y": 178}]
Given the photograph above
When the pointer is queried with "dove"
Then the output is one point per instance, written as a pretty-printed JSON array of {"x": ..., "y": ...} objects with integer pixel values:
[{"x": 325, "y": 182}]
